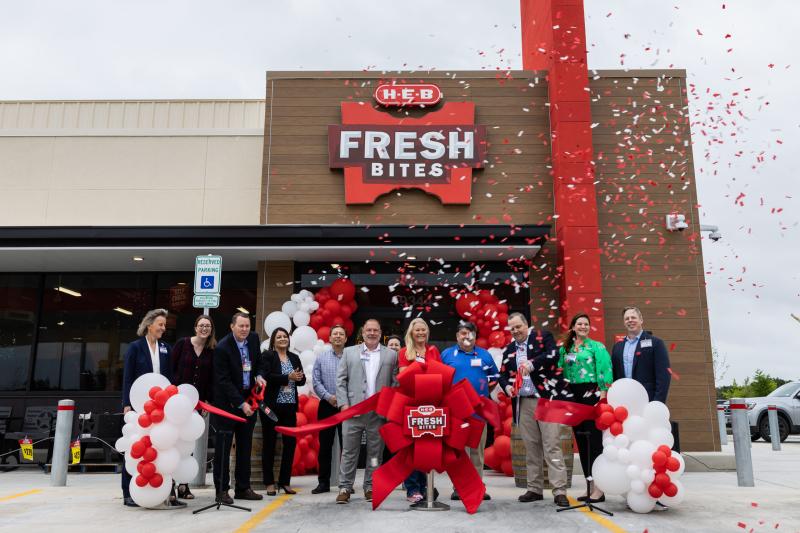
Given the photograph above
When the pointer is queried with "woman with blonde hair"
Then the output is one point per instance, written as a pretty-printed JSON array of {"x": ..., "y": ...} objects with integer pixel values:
[{"x": 417, "y": 349}]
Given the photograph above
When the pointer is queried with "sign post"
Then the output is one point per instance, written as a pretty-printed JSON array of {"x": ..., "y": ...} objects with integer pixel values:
[{"x": 207, "y": 282}]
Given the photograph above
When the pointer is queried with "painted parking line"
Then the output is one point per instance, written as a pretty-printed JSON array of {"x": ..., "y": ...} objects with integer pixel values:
[
  {"x": 20, "y": 495},
  {"x": 603, "y": 521},
  {"x": 263, "y": 513}
]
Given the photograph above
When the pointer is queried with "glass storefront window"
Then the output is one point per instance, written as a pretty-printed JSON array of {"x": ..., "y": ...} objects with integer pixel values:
[
  {"x": 86, "y": 324},
  {"x": 19, "y": 296}
]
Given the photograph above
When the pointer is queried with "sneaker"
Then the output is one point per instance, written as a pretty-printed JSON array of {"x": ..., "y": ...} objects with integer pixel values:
[
  {"x": 368, "y": 495},
  {"x": 343, "y": 496},
  {"x": 414, "y": 498}
]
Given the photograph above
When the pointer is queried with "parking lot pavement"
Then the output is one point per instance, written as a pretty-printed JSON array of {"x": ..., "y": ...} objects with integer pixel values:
[{"x": 714, "y": 503}]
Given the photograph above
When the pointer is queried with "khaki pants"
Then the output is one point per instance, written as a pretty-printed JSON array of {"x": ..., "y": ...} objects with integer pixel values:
[{"x": 542, "y": 443}]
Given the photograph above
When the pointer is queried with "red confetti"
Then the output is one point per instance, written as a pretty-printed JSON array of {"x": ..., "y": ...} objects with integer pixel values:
[
  {"x": 674, "y": 374},
  {"x": 742, "y": 525}
]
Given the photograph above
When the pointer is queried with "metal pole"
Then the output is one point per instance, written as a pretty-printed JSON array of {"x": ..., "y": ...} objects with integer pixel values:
[
  {"x": 205, "y": 310},
  {"x": 741, "y": 443},
  {"x": 58, "y": 468},
  {"x": 774, "y": 430},
  {"x": 428, "y": 504},
  {"x": 723, "y": 427},
  {"x": 201, "y": 456}
]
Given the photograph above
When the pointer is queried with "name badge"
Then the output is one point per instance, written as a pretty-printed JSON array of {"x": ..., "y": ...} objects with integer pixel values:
[
  {"x": 571, "y": 357},
  {"x": 476, "y": 362},
  {"x": 163, "y": 349},
  {"x": 246, "y": 367},
  {"x": 646, "y": 343},
  {"x": 420, "y": 359}
]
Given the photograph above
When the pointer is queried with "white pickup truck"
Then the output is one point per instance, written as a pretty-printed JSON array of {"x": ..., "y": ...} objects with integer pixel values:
[{"x": 787, "y": 399}]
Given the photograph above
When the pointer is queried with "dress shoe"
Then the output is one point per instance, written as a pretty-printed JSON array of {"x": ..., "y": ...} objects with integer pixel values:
[
  {"x": 343, "y": 496},
  {"x": 247, "y": 494},
  {"x": 455, "y": 496},
  {"x": 368, "y": 495},
  {"x": 224, "y": 497},
  {"x": 173, "y": 501},
  {"x": 319, "y": 489},
  {"x": 530, "y": 496},
  {"x": 582, "y": 498},
  {"x": 561, "y": 500},
  {"x": 486, "y": 496},
  {"x": 287, "y": 489},
  {"x": 601, "y": 499},
  {"x": 128, "y": 502}
]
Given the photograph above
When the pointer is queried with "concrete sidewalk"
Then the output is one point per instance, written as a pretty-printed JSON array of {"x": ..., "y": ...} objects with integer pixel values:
[{"x": 714, "y": 503}]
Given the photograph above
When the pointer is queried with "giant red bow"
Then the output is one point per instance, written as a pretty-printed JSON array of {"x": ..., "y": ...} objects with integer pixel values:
[{"x": 425, "y": 384}]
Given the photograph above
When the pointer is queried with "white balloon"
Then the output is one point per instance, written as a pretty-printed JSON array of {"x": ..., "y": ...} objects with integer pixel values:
[
  {"x": 193, "y": 428},
  {"x": 313, "y": 306},
  {"x": 186, "y": 470},
  {"x": 637, "y": 485},
  {"x": 634, "y": 472},
  {"x": 319, "y": 347},
  {"x": 628, "y": 393},
  {"x": 656, "y": 413},
  {"x": 608, "y": 441},
  {"x": 122, "y": 444},
  {"x": 264, "y": 345},
  {"x": 296, "y": 298},
  {"x": 624, "y": 456},
  {"x": 301, "y": 318},
  {"x": 610, "y": 452},
  {"x": 289, "y": 307},
  {"x": 129, "y": 427},
  {"x": 190, "y": 392},
  {"x": 140, "y": 390},
  {"x": 303, "y": 338},
  {"x": 131, "y": 464},
  {"x": 640, "y": 502},
  {"x": 277, "y": 319},
  {"x": 678, "y": 498},
  {"x": 660, "y": 435},
  {"x": 178, "y": 409},
  {"x": 184, "y": 447},
  {"x": 648, "y": 475},
  {"x": 305, "y": 389},
  {"x": 167, "y": 461},
  {"x": 305, "y": 307},
  {"x": 305, "y": 294},
  {"x": 609, "y": 476},
  {"x": 678, "y": 473},
  {"x": 642, "y": 453},
  {"x": 163, "y": 436},
  {"x": 636, "y": 428},
  {"x": 621, "y": 441},
  {"x": 148, "y": 496},
  {"x": 130, "y": 417}
]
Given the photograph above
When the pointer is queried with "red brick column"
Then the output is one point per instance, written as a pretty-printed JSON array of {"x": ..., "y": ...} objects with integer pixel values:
[{"x": 554, "y": 39}]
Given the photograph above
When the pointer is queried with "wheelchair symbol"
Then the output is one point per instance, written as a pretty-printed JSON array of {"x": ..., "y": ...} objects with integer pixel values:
[{"x": 207, "y": 282}]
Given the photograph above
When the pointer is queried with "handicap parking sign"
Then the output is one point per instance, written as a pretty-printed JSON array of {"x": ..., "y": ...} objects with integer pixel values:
[
  {"x": 207, "y": 274},
  {"x": 207, "y": 282}
]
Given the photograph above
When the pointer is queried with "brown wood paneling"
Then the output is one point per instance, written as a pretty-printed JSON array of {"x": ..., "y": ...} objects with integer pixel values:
[{"x": 275, "y": 286}]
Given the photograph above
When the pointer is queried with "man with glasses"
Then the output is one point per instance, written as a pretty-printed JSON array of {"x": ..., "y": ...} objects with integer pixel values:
[{"x": 476, "y": 365}]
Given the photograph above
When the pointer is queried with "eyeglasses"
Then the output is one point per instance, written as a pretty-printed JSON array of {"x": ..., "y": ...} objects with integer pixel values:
[{"x": 204, "y": 326}]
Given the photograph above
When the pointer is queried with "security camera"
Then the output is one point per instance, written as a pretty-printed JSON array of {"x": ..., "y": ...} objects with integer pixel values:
[
  {"x": 676, "y": 222},
  {"x": 714, "y": 233},
  {"x": 715, "y": 236}
]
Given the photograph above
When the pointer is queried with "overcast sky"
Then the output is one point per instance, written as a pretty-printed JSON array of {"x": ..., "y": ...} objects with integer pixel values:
[{"x": 738, "y": 54}]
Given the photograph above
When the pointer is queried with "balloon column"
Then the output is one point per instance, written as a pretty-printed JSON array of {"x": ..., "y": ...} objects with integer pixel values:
[
  {"x": 158, "y": 437},
  {"x": 498, "y": 455},
  {"x": 637, "y": 458},
  {"x": 306, "y": 453},
  {"x": 488, "y": 313}
]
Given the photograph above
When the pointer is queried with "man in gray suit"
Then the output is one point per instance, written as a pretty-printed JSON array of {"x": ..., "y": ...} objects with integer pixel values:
[{"x": 363, "y": 371}]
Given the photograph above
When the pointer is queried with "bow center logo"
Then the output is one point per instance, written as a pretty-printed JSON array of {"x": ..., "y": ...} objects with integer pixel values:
[{"x": 427, "y": 420}]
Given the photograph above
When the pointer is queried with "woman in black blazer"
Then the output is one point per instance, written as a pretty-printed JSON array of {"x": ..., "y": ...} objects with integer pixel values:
[
  {"x": 146, "y": 354},
  {"x": 284, "y": 373}
]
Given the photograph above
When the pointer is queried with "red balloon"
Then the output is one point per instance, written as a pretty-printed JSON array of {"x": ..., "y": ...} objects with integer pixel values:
[
  {"x": 346, "y": 311},
  {"x": 316, "y": 322},
  {"x": 615, "y": 428},
  {"x": 310, "y": 460},
  {"x": 137, "y": 449},
  {"x": 502, "y": 318},
  {"x": 342, "y": 290},
  {"x": 146, "y": 441},
  {"x": 489, "y": 313},
  {"x": 606, "y": 419},
  {"x": 503, "y": 446},
  {"x": 324, "y": 292},
  {"x": 466, "y": 305},
  {"x": 144, "y": 420},
  {"x": 153, "y": 391},
  {"x": 673, "y": 465},
  {"x": 666, "y": 450},
  {"x": 148, "y": 469},
  {"x": 483, "y": 343},
  {"x": 139, "y": 466},
  {"x": 490, "y": 457},
  {"x": 336, "y": 320},
  {"x": 141, "y": 480},
  {"x": 150, "y": 454},
  {"x": 310, "y": 409},
  {"x": 659, "y": 458},
  {"x": 149, "y": 405},
  {"x": 156, "y": 480},
  {"x": 671, "y": 490},
  {"x": 321, "y": 298},
  {"x": 486, "y": 297},
  {"x": 302, "y": 446},
  {"x": 333, "y": 307},
  {"x": 660, "y": 469},
  {"x": 303, "y": 399},
  {"x": 507, "y": 426},
  {"x": 654, "y": 490},
  {"x": 157, "y": 416},
  {"x": 172, "y": 390},
  {"x": 161, "y": 398},
  {"x": 325, "y": 314},
  {"x": 508, "y": 411},
  {"x": 662, "y": 480},
  {"x": 620, "y": 413},
  {"x": 323, "y": 333},
  {"x": 349, "y": 327},
  {"x": 497, "y": 339},
  {"x": 507, "y": 467},
  {"x": 502, "y": 307},
  {"x": 301, "y": 419}
]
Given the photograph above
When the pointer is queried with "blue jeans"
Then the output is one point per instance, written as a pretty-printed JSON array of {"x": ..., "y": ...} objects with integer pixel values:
[{"x": 416, "y": 483}]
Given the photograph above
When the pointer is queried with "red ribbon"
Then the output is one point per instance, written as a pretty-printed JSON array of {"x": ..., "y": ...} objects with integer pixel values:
[
  {"x": 563, "y": 412},
  {"x": 217, "y": 411},
  {"x": 429, "y": 383}
]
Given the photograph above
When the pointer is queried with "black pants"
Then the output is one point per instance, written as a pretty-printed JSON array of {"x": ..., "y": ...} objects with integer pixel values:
[
  {"x": 226, "y": 431},
  {"x": 326, "y": 410},
  {"x": 287, "y": 416},
  {"x": 126, "y": 481},
  {"x": 588, "y": 437}
]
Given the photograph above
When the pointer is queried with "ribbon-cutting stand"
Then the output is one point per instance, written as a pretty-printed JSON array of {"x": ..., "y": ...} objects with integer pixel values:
[{"x": 428, "y": 504}]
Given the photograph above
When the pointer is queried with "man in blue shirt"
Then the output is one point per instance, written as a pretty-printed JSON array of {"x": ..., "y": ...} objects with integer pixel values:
[{"x": 476, "y": 365}]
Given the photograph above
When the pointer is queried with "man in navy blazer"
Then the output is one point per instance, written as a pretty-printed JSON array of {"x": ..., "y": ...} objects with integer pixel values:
[
  {"x": 642, "y": 356},
  {"x": 237, "y": 359}
]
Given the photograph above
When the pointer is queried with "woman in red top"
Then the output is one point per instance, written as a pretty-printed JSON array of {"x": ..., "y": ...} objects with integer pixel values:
[{"x": 417, "y": 349}]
